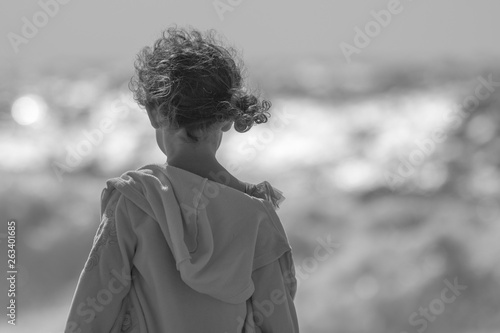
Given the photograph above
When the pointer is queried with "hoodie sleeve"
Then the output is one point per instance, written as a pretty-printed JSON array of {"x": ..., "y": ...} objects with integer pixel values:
[
  {"x": 106, "y": 277},
  {"x": 272, "y": 301},
  {"x": 275, "y": 288}
]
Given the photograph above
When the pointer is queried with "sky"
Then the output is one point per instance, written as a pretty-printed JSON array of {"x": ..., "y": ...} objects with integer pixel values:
[{"x": 420, "y": 30}]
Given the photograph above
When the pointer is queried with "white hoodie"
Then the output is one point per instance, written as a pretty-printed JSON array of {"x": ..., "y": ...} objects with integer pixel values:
[{"x": 176, "y": 252}]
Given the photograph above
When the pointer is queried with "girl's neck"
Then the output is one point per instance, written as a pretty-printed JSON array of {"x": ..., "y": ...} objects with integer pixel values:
[
  {"x": 207, "y": 167},
  {"x": 197, "y": 158}
]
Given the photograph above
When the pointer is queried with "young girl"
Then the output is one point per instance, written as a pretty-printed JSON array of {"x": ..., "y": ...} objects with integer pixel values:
[{"x": 186, "y": 247}]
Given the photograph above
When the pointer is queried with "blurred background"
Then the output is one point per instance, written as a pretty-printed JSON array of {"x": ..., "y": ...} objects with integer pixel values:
[{"x": 384, "y": 140}]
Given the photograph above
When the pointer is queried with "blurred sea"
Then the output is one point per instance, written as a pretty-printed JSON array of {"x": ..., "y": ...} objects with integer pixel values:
[{"x": 374, "y": 158}]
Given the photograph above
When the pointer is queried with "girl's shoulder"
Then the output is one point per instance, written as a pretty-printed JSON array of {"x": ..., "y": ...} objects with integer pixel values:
[{"x": 266, "y": 191}]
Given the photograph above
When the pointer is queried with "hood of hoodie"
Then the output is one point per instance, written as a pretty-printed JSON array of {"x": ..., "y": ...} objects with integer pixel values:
[{"x": 217, "y": 235}]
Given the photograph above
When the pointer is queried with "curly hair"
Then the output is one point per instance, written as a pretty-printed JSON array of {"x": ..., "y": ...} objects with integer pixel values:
[{"x": 191, "y": 80}]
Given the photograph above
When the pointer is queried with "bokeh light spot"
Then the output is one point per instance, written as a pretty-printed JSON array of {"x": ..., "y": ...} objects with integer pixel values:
[{"x": 28, "y": 109}]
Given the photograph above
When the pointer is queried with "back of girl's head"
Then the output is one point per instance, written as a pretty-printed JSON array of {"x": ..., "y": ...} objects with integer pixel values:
[{"x": 190, "y": 80}]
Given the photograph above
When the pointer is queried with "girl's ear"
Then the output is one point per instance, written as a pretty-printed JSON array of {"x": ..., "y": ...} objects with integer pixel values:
[
  {"x": 152, "y": 116},
  {"x": 226, "y": 127}
]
